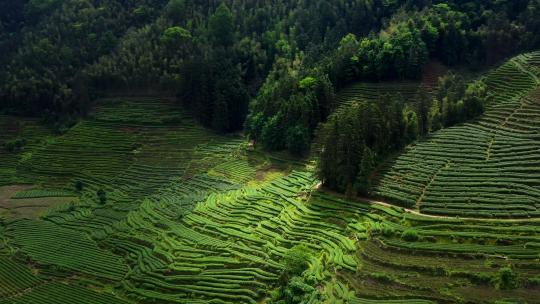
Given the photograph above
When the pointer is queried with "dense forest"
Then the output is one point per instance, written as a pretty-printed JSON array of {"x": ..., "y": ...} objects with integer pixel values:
[{"x": 271, "y": 67}]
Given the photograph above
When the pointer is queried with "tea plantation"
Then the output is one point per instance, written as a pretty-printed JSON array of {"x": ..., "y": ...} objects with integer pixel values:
[
  {"x": 486, "y": 168},
  {"x": 165, "y": 211}
]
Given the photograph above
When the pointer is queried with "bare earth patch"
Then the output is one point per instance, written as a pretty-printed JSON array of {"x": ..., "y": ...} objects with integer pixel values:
[
  {"x": 26, "y": 208},
  {"x": 267, "y": 174}
]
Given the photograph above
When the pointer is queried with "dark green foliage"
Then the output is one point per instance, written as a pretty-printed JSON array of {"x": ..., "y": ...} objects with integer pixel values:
[
  {"x": 357, "y": 137},
  {"x": 410, "y": 235},
  {"x": 457, "y": 102},
  {"x": 296, "y": 291},
  {"x": 15, "y": 145},
  {"x": 12, "y": 15},
  {"x": 59, "y": 39},
  {"x": 423, "y": 111},
  {"x": 174, "y": 36},
  {"x": 297, "y": 140},
  {"x": 272, "y": 134},
  {"x": 411, "y": 124},
  {"x": 399, "y": 53},
  {"x": 79, "y": 185},
  {"x": 221, "y": 26},
  {"x": 140, "y": 46},
  {"x": 296, "y": 287},
  {"x": 506, "y": 279},
  {"x": 296, "y": 261},
  {"x": 383, "y": 277},
  {"x": 223, "y": 104},
  {"x": 363, "y": 182},
  {"x": 289, "y": 57},
  {"x": 451, "y": 33},
  {"x": 475, "y": 99},
  {"x": 388, "y": 231},
  {"x": 213, "y": 82},
  {"x": 286, "y": 112},
  {"x": 102, "y": 196},
  {"x": 37, "y": 8},
  {"x": 176, "y": 10}
]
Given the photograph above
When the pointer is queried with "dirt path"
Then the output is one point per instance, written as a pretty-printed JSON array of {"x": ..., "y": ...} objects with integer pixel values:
[
  {"x": 372, "y": 201},
  {"x": 26, "y": 208},
  {"x": 496, "y": 130},
  {"x": 431, "y": 181},
  {"x": 412, "y": 211}
]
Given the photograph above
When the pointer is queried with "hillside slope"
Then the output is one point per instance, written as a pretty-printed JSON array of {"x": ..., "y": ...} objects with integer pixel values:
[
  {"x": 488, "y": 167},
  {"x": 195, "y": 217}
]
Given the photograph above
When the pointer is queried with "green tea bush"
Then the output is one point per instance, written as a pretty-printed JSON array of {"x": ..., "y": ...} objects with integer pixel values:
[
  {"x": 296, "y": 261},
  {"x": 388, "y": 231},
  {"x": 506, "y": 279},
  {"x": 102, "y": 196},
  {"x": 382, "y": 277},
  {"x": 297, "y": 291},
  {"x": 410, "y": 235},
  {"x": 79, "y": 185}
]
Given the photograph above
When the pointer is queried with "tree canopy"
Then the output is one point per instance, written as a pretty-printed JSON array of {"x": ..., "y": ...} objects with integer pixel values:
[{"x": 286, "y": 59}]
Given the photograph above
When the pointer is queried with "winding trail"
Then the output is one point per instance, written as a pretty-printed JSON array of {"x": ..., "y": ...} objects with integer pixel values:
[
  {"x": 495, "y": 131},
  {"x": 479, "y": 219},
  {"x": 431, "y": 180},
  {"x": 371, "y": 201},
  {"x": 415, "y": 212}
]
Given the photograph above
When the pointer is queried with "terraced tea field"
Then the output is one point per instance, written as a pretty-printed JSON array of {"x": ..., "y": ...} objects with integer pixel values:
[
  {"x": 135, "y": 150},
  {"x": 15, "y": 129},
  {"x": 189, "y": 216},
  {"x": 408, "y": 91},
  {"x": 486, "y": 168}
]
